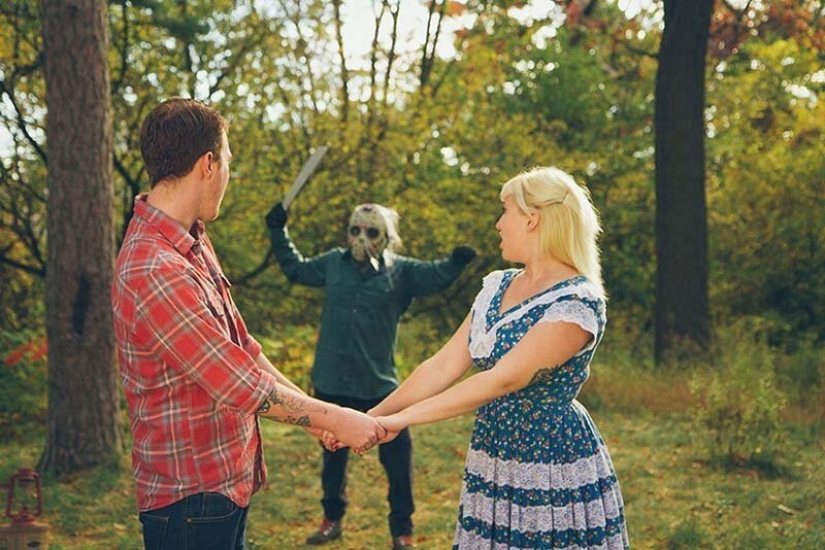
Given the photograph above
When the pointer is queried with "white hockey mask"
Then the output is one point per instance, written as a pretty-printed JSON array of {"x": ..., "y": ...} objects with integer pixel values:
[{"x": 367, "y": 233}]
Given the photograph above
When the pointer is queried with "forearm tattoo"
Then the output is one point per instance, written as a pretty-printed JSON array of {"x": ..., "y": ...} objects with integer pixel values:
[
  {"x": 542, "y": 375},
  {"x": 297, "y": 412}
]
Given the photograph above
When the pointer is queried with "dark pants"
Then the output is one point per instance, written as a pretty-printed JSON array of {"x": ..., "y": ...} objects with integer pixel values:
[
  {"x": 395, "y": 457},
  {"x": 201, "y": 521}
]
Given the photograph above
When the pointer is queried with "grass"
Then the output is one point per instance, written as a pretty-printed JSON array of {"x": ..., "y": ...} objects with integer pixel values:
[{"x": 676, "y": 496}]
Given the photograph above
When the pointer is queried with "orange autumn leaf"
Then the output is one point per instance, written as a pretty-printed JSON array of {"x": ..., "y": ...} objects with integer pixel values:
[
  {"x": 35, "y": 349},
  {"x": 454, "y": 8}
]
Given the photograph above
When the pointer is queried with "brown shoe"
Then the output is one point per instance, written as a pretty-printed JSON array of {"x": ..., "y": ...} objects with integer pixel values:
[
  {"x": 329, "y": 530},
  {"x": 404, "y": 542}
]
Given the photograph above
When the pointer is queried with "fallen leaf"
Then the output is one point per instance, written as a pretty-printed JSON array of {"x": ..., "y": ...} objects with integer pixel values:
[{"x": 785, "y": 509}]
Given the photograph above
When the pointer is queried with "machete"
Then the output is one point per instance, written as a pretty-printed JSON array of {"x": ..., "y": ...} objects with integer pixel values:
[{"x": 307, "y": 170}]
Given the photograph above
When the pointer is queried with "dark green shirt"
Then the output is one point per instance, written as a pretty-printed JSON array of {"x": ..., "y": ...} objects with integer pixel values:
[{"x": 354, "y": 356}]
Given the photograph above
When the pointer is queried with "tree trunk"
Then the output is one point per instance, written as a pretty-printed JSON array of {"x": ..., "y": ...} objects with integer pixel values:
[
  {"x": 83, "y": 412},
  {"x": 682, "y": 313}
]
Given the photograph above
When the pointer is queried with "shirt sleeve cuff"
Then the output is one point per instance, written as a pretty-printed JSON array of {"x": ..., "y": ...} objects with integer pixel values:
[{"x": 265, "y": 387}]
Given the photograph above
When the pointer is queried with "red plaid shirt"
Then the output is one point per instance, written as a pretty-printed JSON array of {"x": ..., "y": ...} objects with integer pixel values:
[{"x": 188, "y": 366}]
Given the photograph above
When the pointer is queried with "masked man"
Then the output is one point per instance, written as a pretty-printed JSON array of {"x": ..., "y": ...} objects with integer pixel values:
[{"x": 367, "y": 289}]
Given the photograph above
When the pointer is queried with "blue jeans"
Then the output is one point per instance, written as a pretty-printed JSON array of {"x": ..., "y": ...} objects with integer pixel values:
[{"x": 201, "y": 521}]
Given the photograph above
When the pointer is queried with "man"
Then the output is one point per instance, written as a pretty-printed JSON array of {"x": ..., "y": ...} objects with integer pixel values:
[
  {"x": 367, "y": 289},
  {"x": 195, "y": 380}
]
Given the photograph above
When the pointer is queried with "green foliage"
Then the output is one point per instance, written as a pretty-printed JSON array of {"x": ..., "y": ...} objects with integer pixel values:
[
  {"x": 767, "y": 180},
  {"x": 21, "y": 301},
  {"x": 802, "y": 374},
  {"x": 23, "y": 389},
  {"x": 739, "y": 405}
]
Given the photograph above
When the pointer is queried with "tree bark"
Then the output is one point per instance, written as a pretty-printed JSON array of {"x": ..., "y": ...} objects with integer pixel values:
[
  {"x": 682, "y": 312},
  {"x": 83, "y": 411}
]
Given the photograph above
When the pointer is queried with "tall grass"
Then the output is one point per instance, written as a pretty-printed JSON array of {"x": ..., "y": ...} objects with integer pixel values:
[{"x": 739, "y": 404}]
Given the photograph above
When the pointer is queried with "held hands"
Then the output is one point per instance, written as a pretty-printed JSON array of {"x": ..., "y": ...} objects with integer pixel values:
[
  {"x": 276, "y": 218},
  {"x": 356, "y": 430},
  {"x": 392, "y": 424},
  {"x": 389, "y": 428}
]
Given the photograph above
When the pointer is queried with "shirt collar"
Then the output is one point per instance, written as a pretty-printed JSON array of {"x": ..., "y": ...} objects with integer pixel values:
[
  {"x": 384, "y": 263},
  {"x": 172, "y": 231}
]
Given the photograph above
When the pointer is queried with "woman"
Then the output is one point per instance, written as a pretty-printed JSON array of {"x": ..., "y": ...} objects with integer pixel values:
[{"x": 538, "y": 473}]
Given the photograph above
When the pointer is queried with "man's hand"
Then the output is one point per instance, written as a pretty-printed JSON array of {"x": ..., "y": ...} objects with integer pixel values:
[
  {"x": 276, "y": 219},
  {"x": 463, "y": 255}
]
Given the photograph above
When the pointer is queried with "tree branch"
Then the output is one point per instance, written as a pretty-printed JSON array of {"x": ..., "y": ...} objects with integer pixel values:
[
  {"x": 22, "y": 125},
  {"x": 339, "y": 38}
]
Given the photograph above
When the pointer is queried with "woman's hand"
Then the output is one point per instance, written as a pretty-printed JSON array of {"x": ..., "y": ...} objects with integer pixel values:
[{"x": 392, "y": 425}]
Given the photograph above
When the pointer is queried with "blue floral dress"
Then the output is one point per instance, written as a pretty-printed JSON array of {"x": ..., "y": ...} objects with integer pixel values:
[{"x": 538, "y": 473}]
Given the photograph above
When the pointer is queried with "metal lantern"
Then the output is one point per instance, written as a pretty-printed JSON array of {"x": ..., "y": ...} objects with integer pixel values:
[{"x": 24, "y": 504}]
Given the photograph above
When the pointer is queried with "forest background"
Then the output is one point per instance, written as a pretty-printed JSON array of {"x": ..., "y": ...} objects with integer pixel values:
[{"x": 430, "y": 120}]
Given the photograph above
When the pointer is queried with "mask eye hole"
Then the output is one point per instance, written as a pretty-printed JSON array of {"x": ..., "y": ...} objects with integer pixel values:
[
  {"x": 372, "y": 233},
  {"x": 354, "y": 230}
]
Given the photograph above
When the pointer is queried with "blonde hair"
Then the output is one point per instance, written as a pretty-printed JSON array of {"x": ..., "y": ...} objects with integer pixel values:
[{"x": 569, "y": 226}]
